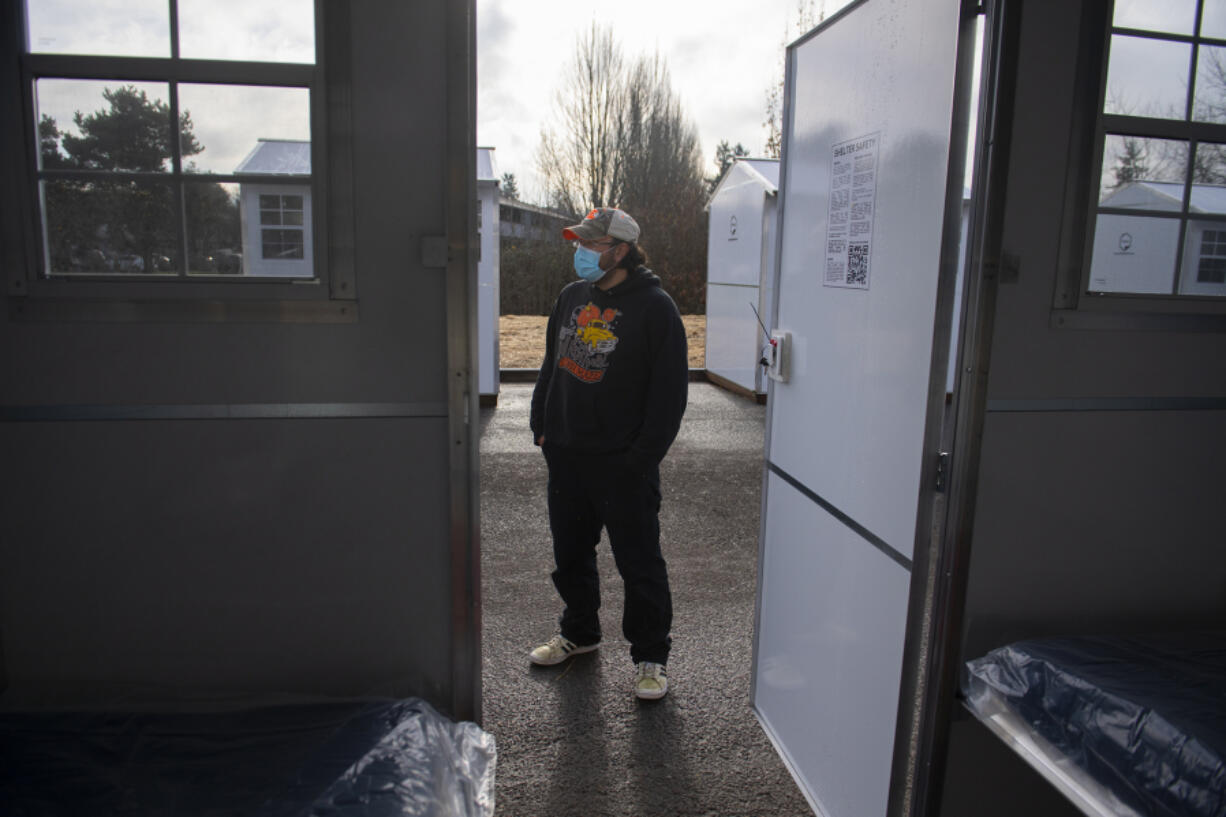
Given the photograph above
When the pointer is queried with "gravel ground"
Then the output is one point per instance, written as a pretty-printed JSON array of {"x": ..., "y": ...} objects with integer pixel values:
[{"x": 572, "y": 739}]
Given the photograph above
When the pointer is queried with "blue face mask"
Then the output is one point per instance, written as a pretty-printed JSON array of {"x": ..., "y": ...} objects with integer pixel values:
[{"x": 587, "y": 264}]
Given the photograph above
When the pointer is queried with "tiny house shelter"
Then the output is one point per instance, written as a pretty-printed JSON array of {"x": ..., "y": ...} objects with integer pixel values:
[
  {"x": 488, "y": 238},
  {"x": 276, "y": 218},
  {"x": 1133, "y": 251},
  {"x": 740, "y": 263},
  {"x": 1062, "y": 505},
  {"x": 263, "y": 483}
]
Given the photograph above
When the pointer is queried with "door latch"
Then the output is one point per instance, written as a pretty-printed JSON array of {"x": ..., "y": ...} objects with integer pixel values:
[{"x": 942, "y": 471}]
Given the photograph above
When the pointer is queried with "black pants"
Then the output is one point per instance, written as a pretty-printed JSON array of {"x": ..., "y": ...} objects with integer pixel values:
[{"x": 587, "y": 493}]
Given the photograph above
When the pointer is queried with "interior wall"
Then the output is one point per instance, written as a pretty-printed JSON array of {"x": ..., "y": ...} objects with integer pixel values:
[
  {"x": 1111, "y": 508},
  {"x": 1103, "y": 452},
  {"x": 294, "y": 553}
]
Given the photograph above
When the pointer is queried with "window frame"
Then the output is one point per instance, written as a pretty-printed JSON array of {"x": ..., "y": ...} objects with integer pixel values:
[
  {"x": 128, "y": 297},
  {"x": 1218, "y": 255},
  {"x": 1090, "y": 128}
]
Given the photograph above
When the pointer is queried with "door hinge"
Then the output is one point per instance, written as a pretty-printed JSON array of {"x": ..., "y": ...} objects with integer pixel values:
[{"x": 942, "y": 471}]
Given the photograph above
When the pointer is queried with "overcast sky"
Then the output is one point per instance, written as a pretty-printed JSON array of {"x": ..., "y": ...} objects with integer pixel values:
[
  {"x": 723, "y": 57},
  {"x": 227, "y": 120}
]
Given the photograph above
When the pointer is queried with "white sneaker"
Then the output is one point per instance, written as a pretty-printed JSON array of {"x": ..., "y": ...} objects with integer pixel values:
[
  {"x": 650, "y": 680},
  {"x": 556, "y": 650}
]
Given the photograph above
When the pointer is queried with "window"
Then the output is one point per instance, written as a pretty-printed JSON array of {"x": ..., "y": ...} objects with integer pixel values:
[
  {"x": 1211, "y": 268},
  {"x": 173, "y": 139},
  {"x": 285, "y": 242},
  {"x": 1158, "y": 223}
]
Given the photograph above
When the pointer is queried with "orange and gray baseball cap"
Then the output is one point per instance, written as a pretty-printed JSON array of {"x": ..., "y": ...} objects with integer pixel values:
[{"x": 601, "y": 222}]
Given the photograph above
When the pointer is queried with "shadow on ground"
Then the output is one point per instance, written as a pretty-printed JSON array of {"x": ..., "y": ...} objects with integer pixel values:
[{"x": 572, "y": 739}]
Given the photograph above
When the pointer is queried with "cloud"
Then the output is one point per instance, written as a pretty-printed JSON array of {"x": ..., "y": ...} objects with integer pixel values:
[
  {"x": 496, "y": 31},
  {"x": 274, "y": 30}
]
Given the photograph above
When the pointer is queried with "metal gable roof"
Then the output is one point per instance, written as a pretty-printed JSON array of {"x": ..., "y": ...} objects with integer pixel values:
[
  {"x": 1206, "y": 198},
  {"x": 280, "y": 157},
  {"x": 764, "y": 172},
  {"x": 768, "y": 169}
]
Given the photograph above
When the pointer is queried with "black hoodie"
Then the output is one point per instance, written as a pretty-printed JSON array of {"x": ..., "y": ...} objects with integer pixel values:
[{"x": 616, "y": 371}]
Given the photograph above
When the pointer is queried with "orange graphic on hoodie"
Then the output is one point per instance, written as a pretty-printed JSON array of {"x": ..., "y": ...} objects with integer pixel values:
[{"x": 587, "y": 342}]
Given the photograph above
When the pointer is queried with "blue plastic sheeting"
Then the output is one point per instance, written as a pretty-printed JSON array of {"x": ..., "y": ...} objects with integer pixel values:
[
  {"x": 353, "y": 759},
  {"x": 1145, "y": 716}
]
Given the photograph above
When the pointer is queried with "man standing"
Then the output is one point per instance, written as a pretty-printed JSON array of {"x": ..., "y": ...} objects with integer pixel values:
[{"x": 607, "y": 405}]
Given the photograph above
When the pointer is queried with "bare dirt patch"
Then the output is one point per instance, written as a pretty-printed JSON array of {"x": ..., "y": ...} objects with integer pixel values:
[{"x": 521, "y": 340}]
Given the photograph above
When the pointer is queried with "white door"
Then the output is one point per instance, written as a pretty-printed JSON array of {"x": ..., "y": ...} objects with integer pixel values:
[{"x": 865, "y": 186}]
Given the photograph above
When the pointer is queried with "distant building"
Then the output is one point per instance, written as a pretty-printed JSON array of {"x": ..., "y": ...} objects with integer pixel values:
[
  {"x": 528, "y": 222},
  {"x": 276, "y": 218},
  {"x": 1136, "y": 253},
  {"x": 740, "y": 265}
]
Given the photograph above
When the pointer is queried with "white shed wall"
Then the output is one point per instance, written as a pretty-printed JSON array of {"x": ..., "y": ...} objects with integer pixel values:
[
  {"x": 254, "y": 264},
  {"x": 740, "y": 255},
  {"x": 487, "y": 289}
]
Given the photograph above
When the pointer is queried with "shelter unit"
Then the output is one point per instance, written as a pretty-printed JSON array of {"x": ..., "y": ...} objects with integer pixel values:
[
  {"x": 275, "y": 217},
  {"x": 933, "y": 564},
  {"x": 256, "y": 485},
  {"x": 1137, "y": 251},
  {"x": 488, "y": 311},
  {"x": 740, "y": 266}
]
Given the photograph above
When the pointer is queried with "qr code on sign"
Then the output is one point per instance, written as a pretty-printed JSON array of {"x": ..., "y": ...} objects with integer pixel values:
[{"x": 857, "y": 263}]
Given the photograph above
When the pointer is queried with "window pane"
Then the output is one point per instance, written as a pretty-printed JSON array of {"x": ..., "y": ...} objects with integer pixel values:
[
  {"x": 214, "y": 232},
  {"x": 248, "y": 129},
  {"x": 1134, "y": 254},
  {"x": 282, "y": 244},
  {"x": 1171, "y": 16},
  {"x": 121, "y": 125},
  {"x": 291, "y": 202},
  {"x": 1209, "y": 179},
  {"x": 1209, "y": 104},
  {"x": 134, "y": 28},
  {"x": 1213, "y": 20},
  {"x": 270, "y": 217},
  {"x": 116, "y": 228},
  {"x": 1143, "y": 174},
  {"x": 248, "y": 30},
  {"x": 1147, "y": 77},
  {"x": 1204, "y": 259}
]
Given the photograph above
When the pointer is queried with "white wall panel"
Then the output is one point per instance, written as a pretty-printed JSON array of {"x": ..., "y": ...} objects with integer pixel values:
[
  {"x": 848, "y": 426},
  {"x": 734, "y": 239},
  {"x": 734, "y": 338},
  {"x": 487, "y": 290},
  {"x": 851, "y": 424},
  {"x": 830, "y": 654}
]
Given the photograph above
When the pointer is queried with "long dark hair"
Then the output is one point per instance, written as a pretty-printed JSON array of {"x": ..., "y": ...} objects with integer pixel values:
[{"x": 635, "y": 257}]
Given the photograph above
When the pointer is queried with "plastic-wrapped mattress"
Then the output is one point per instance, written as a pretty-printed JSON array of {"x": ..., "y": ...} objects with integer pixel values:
[
  {"x": 351, "y": 759},
  {"x": 1143, "y": 716}
]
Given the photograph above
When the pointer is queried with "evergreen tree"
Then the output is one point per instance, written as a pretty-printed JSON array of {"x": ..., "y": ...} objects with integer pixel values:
[
  {"x": 132, "y": 135},
  {"x": 1132, "y": 164},
  {"x": 510, "y": 188},
  {"x": 724, "y": 157},
  {"x": 113, "y": 225}
]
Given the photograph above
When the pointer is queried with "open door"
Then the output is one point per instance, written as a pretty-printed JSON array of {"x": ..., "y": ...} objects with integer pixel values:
[{"x": 870, "y": 206}]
